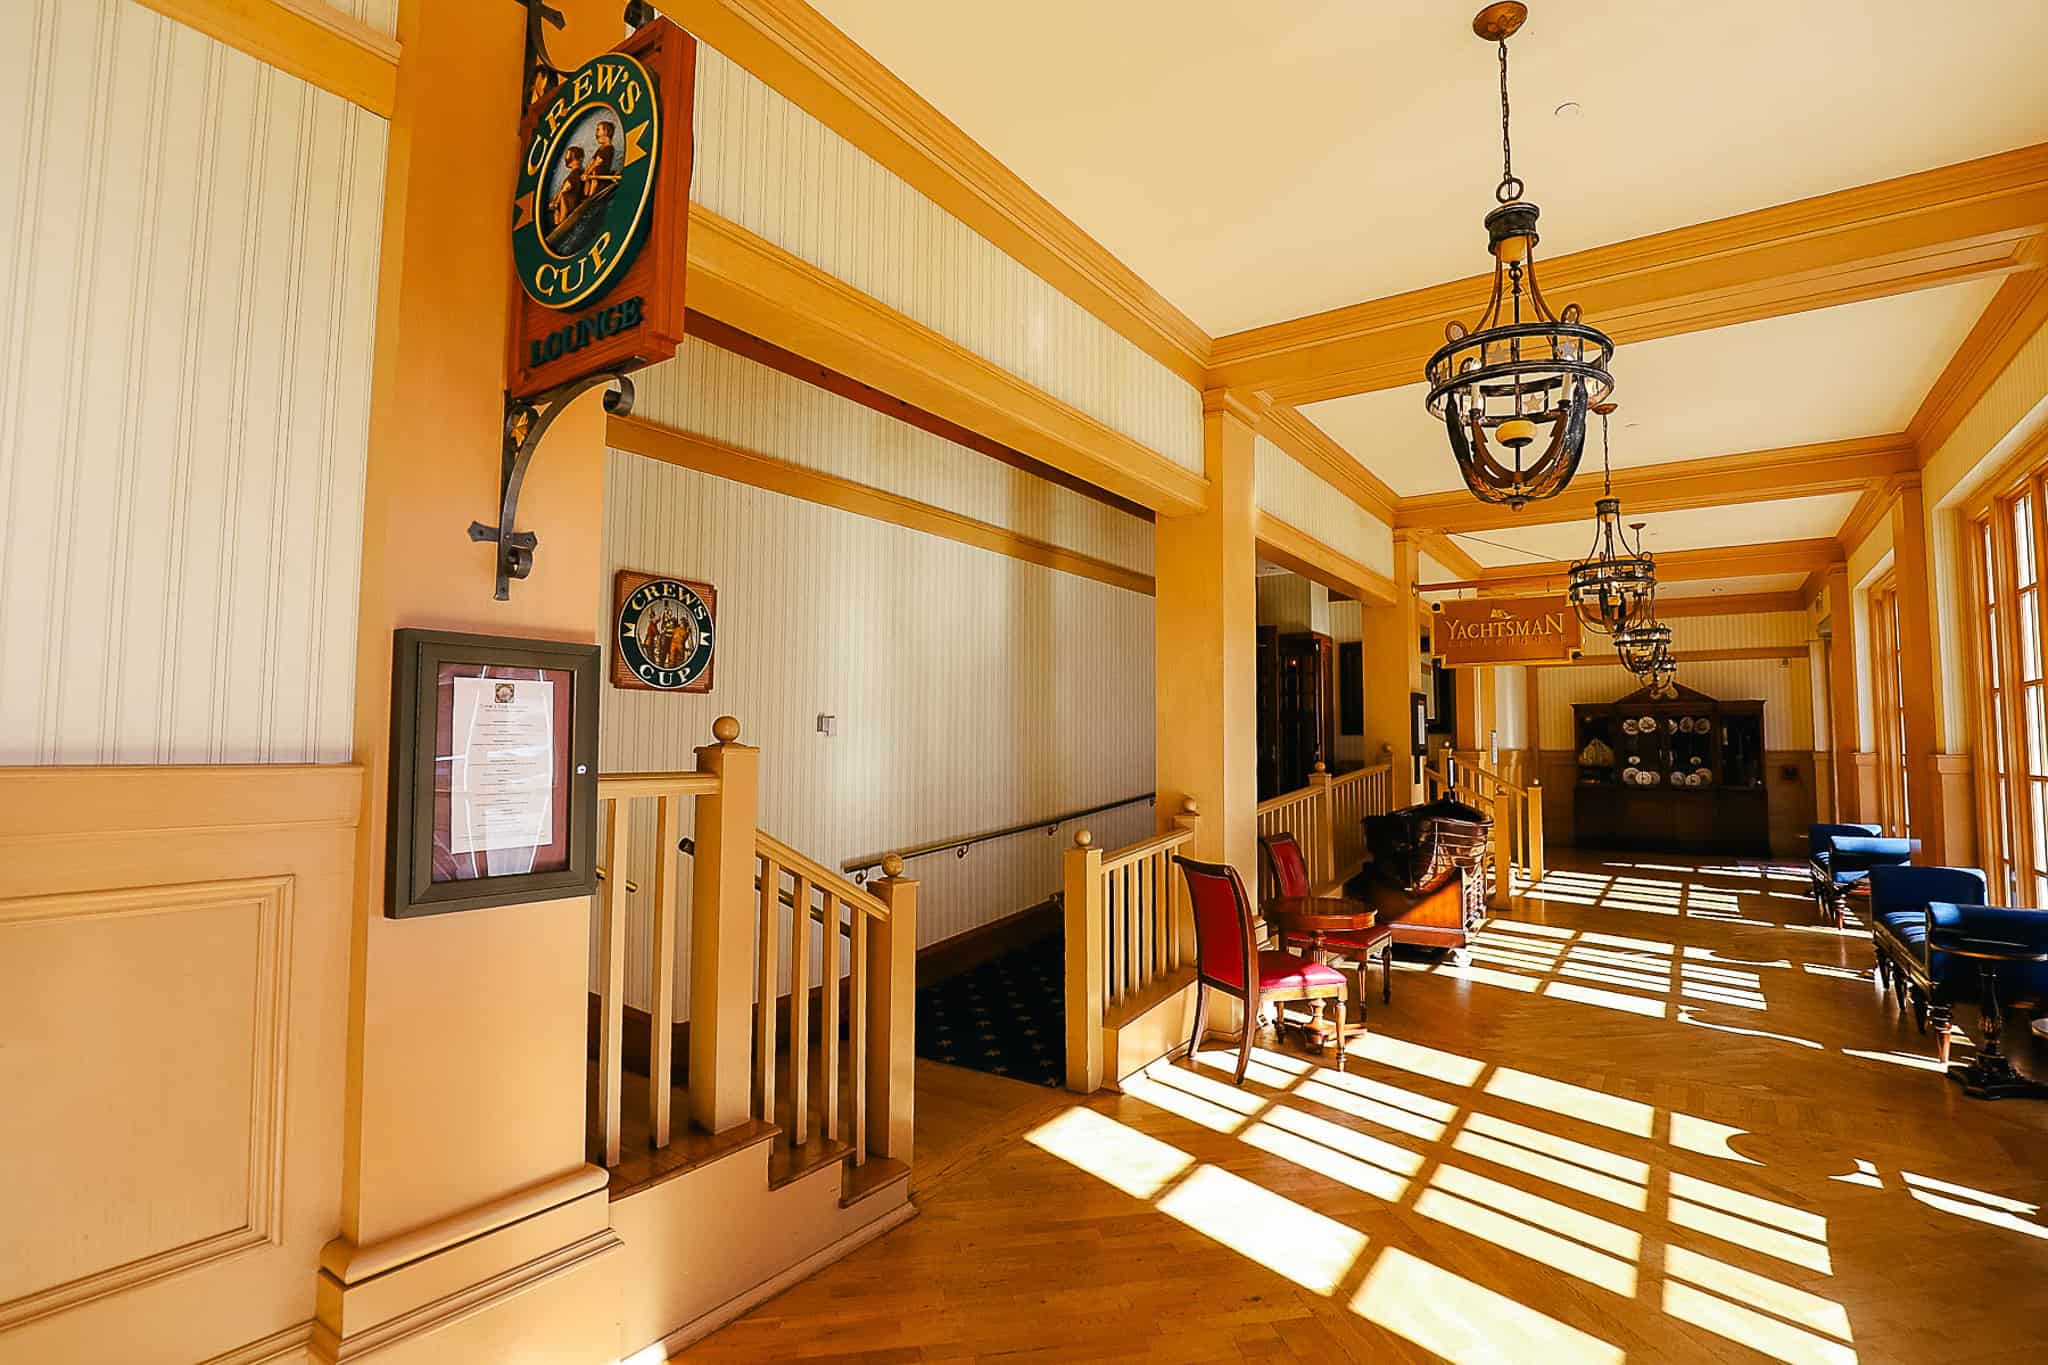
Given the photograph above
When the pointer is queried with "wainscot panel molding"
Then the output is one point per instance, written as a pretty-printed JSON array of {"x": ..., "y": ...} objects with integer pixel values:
[
  {"x": 184, "y": 394},
  {"x": 1291, "y": 492},
  {"x": 971, "y": 690},
  {"x": 186, "y": 1175},
  {"x": 737, "y": 402},
  {"x": 765, "y": 164}
]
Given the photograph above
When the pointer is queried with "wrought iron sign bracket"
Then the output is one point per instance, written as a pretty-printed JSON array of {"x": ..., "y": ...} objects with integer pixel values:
[
  {"x": 540, "y": 73},
  {"x": 526, "y": 422}
]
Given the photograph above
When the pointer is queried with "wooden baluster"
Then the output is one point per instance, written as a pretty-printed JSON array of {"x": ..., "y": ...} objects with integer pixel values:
[
  {"x": 1182, "y": 915},
  {"x": 767, "y": 986},
  {"x": 661, "y": 1041},
  {"x": 1536, "y": 831},
  {"x": 1134, "y": 919},
  {"x": 1160, "y": 884},
  {"x": 829, "y": 1122},
  {"x": 800, "y": 1015},
  {"x": 611, "y": 991},
  {"x": 857, "y": 1028}
]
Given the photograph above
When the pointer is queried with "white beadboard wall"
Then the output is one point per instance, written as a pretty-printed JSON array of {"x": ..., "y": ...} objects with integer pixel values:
[
  {"x": 728, "y": 398},
  {"x": 1782, "y": 686},
  {"x": 380, "y": 16},
  {"x": 972, "y": 690},
  {"x": 190, "y": 275},
  {"x": 773, "y": 169},
  {"x": 1304, "y": 501}
]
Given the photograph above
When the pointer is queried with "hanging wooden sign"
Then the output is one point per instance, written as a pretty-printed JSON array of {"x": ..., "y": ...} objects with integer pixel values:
[
  {"x": 664, "y": 632},
  {"x": 1504, "y": 630},
  {"x": 601, "y": 213}
]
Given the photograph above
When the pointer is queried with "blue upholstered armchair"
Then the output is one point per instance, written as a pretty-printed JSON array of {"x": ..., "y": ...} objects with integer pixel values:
[
  {"x": 1904, "y": 901},
  {"x": 1839, "y": 856}
]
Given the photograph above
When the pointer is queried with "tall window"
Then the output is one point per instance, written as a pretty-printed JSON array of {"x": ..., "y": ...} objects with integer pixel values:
[
  {"x": 2012, "y": 691},
  {"x": 1890, "y": 709}
]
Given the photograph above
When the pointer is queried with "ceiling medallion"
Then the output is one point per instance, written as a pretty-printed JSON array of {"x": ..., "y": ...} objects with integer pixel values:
[
  {"x": 1520, "y": 372},
  {"x": 1615, "y": 585}
]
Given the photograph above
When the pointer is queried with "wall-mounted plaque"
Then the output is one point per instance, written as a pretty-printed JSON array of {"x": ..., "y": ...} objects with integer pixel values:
[
  {"x": 601, "y": 214},
  {"x": 1504, "y": 630},
  {"x": 664, "y": 632},
  {"x": 493, "y": 772}
]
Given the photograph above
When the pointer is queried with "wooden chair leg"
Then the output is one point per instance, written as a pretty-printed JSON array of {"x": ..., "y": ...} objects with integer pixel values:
[
  {"x": 1387, "y": 975},
  {"x": 1940, "y": 1017},
  {"x": 1244, "y": 1041},
  {"x": 1195, "y": 1034},
  {"x": 1344, "y": 1008}
]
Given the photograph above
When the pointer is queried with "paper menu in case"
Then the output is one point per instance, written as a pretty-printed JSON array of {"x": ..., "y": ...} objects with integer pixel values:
[{"x": 502, "y": 769}]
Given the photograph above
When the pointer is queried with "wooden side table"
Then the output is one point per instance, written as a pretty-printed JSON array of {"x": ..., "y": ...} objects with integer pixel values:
[
  {"x": 1312, "y": 918},
  {"x": 1991, "y": 1076}
]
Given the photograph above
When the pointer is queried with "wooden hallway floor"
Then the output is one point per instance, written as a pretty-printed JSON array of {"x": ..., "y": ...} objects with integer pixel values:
[{"x": 1662, "y": 1114}]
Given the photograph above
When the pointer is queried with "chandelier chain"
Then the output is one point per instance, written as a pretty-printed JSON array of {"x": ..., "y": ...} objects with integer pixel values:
[{"x": 1509, "y": 188}]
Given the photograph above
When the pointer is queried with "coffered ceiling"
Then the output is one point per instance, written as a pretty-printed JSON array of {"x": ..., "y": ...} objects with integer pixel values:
[{"x": 1259, "y": 165}]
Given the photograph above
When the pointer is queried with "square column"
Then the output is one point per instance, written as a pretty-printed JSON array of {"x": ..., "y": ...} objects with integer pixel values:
[
  {"x": 1392, "y": 652},
  {"x": 1205, "y": 623}
]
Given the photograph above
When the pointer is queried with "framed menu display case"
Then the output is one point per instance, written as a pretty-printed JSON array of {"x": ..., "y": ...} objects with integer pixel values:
[
  {"x": 493, "y": 772},
  {"x": 1682, "y": 773}
]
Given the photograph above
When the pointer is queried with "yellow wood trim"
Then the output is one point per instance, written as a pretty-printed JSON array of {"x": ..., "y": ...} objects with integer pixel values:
[
  {"x": 319, "y": 45},
  {"x": 1716, "y": 481},
  {"x": 1864, "y": 516},
  {"x": 2015, "y": 313},
  {"x": 745, "y": 281},
  {"x": 2006, "y": 479},
  {"x": 1731, "y": 605},
  {"x": 1727, "y": 561},
  {"x": 1296, "y": 549},
  {"x": 1447, "y": 552},
  {"x": 796, "y": 50},
  {"x": 828, "y": 490},
  {"x": 1312, "y": 448},
  {"x": 1918, "y": 231},
  {"x": 73, "y": 802}
]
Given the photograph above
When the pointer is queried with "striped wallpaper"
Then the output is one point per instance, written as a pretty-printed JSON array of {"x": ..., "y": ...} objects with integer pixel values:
[
  {"x": 1301, "y": 499},
  {"x": 189, "y": 269},
  {"x": 728, "y": 398},
  {"x": 770, "y": 167},
  {"x": 380, "y": 16},
  {"x": 972, "y": 690},
  {"x": 1782, "y": 686}
]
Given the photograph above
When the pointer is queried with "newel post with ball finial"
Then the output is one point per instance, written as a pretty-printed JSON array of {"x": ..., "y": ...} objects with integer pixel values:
[
  {"x": 892, "y": 1015},
  {"x": 722, "y": 916},
  {"x": 1082, "y": 879}
]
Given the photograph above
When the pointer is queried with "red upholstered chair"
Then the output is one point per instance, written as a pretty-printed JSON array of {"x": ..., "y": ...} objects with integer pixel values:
[
  {"x": 1226, "y": 941},
  {"x": 1289, "y": 870}
]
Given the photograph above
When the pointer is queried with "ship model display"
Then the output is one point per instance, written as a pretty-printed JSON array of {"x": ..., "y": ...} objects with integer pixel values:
[{"x": 1427, "y": 872}]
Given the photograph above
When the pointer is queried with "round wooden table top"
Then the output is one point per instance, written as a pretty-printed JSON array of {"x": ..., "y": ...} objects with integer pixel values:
[{"x": 1319, "y": 914}]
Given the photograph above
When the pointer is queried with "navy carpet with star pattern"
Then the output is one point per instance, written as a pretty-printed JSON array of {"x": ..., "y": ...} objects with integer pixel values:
[{"x": 1003, "y": 1017}]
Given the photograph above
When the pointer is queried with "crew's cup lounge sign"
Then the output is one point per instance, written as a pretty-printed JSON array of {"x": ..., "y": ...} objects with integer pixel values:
[{"x": 1504, "y": 630}]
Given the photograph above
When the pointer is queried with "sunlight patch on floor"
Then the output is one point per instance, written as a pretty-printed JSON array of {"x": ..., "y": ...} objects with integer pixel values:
[
  {"x": 1120, "y": 1155},
  {"x": 1467, "y": 1323},
  {"x": 1313, "y": 1251}
]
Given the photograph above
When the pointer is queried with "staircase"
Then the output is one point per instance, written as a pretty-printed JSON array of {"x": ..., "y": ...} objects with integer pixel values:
[{"x": 771, "y": 1132}]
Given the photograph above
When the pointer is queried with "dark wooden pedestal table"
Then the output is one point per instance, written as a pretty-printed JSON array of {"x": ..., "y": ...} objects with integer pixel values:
[
  {"x": 1312, "y": 917},
  {"x": 1991, "y": 1076}
]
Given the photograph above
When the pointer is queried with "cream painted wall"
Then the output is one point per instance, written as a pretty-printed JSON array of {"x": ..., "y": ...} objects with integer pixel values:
[
  {"x": 775, "y": 170},
  {"x": 716, "y": 394},
  {"x": 1304, "y": 501},
  {"x": 1291, "y": 602},
  {"x": 190, "y": 269},
  {"x": 972, "y": 690},
  {"x": 1511, "y": 706}
]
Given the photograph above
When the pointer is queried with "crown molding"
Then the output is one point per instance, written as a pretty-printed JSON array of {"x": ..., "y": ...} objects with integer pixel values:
[
  {"x": 1724, "y": 561},
  {"x": 801, "y": 54},
  {"x": 1447, "y": 552},
  {"x": 1311, "y": 447},
  {"x": 316, "y": 43},
  {"x": 1716, "y": 481},
  {"x": 1918, "y": 231},
  {"x": 2017, "y": 311}
]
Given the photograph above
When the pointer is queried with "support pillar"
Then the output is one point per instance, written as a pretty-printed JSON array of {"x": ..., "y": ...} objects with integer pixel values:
[
  {"x": 722, "y": 920},
  {"x": 1205, "y": 628},
  {"x": 1391, "y": 647},
  {"x": 1926, "y": 798},
  {"x": 1842, "y": 696}
]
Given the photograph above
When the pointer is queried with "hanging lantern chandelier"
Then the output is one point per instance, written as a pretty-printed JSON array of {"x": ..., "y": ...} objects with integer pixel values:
[
  {"x": 1644, "y": 647},
  {"x": 1615, "y": 585},
  {"x": 1521, "y": 374}
]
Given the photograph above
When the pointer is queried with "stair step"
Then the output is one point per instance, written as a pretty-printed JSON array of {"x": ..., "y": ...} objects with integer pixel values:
[
  {"x": 871, "y": 1178},
  {"x": 790, "y": 1163},
  {"x": 642, "y": 1165}
]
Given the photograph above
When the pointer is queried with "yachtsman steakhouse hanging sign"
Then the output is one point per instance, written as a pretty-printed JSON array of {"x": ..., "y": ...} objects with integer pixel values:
[
  {"x": 601, "y": 212},
  {"x": 1504, "y": 630}
]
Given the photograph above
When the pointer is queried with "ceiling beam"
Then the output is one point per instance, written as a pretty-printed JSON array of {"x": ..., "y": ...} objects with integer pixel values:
[
  {"x": 1445, "y": 551},
  {"x": 1937, "y": 227},
  {"x": 1299, "y": 552},
  {"x": 1729, "y": 604},
  {"x": 1717, "y": 481},
  {"x": 2017, "y": 311},
  {"x": 320, "y": 45},
  {"x": 1723, "y": 561}
]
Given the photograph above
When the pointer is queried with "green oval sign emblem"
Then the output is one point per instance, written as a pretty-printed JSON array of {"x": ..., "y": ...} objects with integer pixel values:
[
  {"x": 664, "y": 633},
  {"x": 586, "y": 186}
]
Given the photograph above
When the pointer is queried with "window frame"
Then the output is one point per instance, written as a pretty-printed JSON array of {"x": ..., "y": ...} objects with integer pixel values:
[{"x": 2011, "y": 773}]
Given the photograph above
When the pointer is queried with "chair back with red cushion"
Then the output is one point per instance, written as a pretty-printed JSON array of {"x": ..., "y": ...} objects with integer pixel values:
[
  {"x": 1225, "y": 941},
  {"x": 1285, "y": 861}
]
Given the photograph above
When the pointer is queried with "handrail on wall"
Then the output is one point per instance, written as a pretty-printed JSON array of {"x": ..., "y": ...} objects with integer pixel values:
[{"x": 859, "y": 867}]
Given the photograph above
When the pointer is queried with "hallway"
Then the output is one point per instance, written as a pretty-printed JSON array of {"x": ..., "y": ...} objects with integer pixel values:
[{"x": 1661, "y": 1115}]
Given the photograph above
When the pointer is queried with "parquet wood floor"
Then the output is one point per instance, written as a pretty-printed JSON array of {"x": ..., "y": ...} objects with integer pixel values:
[{"x": 1661, "y": 1115}]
